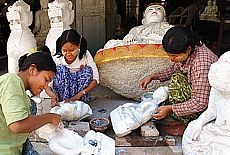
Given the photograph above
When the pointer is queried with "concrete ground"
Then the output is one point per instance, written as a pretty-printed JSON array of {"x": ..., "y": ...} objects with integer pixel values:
[{"x": 105, "y": 101}]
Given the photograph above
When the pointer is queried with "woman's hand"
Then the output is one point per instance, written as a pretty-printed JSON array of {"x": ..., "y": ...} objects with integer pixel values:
[
  {"x": 77, "y": 97},
  {"x": 162, "y": 112},
  {"x": 54, "y": 101},
  {"x": 144, "y": 82}
]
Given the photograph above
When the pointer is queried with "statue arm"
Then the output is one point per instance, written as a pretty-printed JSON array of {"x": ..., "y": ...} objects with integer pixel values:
[
  {"x": 195, "y": 127},
  {"x": 132, "y": 35},
  {"x": 209, "y": 114}
]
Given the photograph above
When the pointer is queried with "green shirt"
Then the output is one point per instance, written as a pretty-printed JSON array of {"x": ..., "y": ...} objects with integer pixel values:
[{"x": 14, "y": 106}]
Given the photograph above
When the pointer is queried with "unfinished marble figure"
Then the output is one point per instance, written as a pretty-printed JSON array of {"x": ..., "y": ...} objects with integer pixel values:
[
  {"x": 130, "y": 116},
  {"x": 21, "y": 39},
  {"x": 71, "y": 111},
  {"x": 210, "y": 133},
  {"x": 67, "y": 142},
  {"x": 151, "y": 32}
]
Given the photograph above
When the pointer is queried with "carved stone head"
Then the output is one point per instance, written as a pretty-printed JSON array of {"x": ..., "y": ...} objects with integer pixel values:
[
  {"x": 19, "y": 15},
  {"x": 60, "y": 13},
  {"x": 154, "y": 13}
]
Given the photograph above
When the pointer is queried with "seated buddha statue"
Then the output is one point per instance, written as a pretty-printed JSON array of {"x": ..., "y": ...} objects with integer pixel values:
[
  {"x": 210, "y": 11},
  {"x": 210, "y": 133},
  {"x": 152, "y": 30}
]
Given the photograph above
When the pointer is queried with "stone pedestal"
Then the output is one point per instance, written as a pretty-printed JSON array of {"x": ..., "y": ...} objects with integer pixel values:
[{"x": 149, "y": 129}]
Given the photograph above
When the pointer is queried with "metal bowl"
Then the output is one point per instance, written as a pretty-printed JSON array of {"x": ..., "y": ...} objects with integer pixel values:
[{"x": 99, "y": 124}]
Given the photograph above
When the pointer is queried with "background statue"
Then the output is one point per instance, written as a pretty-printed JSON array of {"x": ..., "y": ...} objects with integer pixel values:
[
  {"x": 21, "y": 39},
  {"x": 61, "y": 17},
  {"x": 208, "y": 8},
  {"x": 210, "y": 11},
  {"x": 42, "y": 23},
  {"x": 214, "y": 8},
  {"x": 210, "y": 133},
  {"x": 151, "y": 32},
  {"x": 140, "y": 52}
]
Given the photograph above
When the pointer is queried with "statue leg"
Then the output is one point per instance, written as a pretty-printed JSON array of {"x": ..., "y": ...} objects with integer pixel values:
[{"x": 12, "y": 65}]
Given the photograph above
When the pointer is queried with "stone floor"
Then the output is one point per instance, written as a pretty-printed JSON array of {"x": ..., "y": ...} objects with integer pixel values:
[{"x": 107, "y": 100}]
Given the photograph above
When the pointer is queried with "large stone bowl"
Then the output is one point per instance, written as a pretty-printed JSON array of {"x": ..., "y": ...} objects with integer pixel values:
[{"x": 121, "y": 68}]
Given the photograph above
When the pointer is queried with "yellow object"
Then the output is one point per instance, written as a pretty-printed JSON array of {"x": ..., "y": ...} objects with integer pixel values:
[
  {"x": 130, "y": 51},
  {"x": 32, "y": 51}
]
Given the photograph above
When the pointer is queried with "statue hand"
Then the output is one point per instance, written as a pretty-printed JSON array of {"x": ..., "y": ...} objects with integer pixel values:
[
  {"x": 193, "y": 130},
  {"x": 130, "y": 38}
]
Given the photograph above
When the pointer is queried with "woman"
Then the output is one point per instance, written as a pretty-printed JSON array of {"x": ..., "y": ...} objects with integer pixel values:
[
  {"x": 36, "y": 71},
  {"x": 189, "y": 87},
  {"x": 77, "y": 73}
]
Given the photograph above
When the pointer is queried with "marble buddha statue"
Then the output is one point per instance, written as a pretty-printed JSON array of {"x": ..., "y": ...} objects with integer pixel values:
[
  {"x": 67, "y": 142},
  {"x": 214, "y": 9},
  {"x": 129, "y": 116},
  {"x": 71, "y": 111},
  {"x": 42, "y": 24},
  {"x": 152, "y": 30},
  {"x": 21, "y": 39},
  {"x": 210, "y": 133},
  {"x": 210, "y": 11},
  {"x": 61, "y": 16}
]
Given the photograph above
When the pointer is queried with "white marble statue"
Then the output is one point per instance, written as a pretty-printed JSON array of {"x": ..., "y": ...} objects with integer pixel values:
[
  {"x": 61, "y": 16},
  {"x": 130, "y": 116},
  {"x": 151, "y": 32},
  {"x": 21, "y": 39},
  {"x": 68, "y": 142},
  {"x": 42, "y": 24},
  {"x": 72, "y": 111},
  {"x": 210, "y": 133}
]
